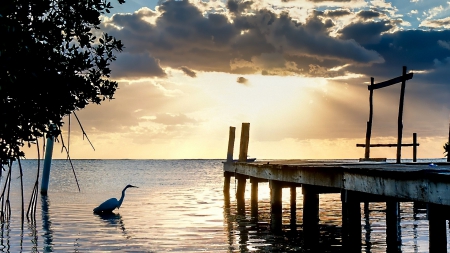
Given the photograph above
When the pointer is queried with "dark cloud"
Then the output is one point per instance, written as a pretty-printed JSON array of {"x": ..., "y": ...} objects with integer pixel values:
[
  {"x": 368, "y": 14},
  {"x": 188, "y": 71},
  {"x": 337, "y": 13},
  {"x": 242, "y": 80},
  {"x": 237, "y": 7},
  {"x": 136, "y": 66},
  {"x": 182, "y": 36},
  {"x": 365, "y": 33}
]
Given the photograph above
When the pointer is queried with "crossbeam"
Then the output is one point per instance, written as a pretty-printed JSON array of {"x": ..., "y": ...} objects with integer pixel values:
[
  {"x": 388, "y": 145},
  {"x": 390, "y": 82}
]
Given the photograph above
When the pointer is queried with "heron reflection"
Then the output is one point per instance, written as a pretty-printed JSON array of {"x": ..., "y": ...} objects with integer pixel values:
[{"x": 113, "y": 220}]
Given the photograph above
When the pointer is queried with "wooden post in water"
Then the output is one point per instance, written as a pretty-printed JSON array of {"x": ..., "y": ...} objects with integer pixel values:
[
  {"x": 414, "y": 147},
  {"x": 437, "y": 229},
  {"x": 400, "y": 117},
  {"x": 393, "y": 232},
  {"x": 275, "y": 205},
  {"x": 245, "y": 136},
  {"x": 240, "y": 193},
  {"x": 47, "y": 164},
  {"x": 293, "y": 208},
  {"x": 310, "y": 216},
  {"x": 231, "y": 138},
  {"x": 351, "y": 222},
  {"x": 254, "y": 197}
]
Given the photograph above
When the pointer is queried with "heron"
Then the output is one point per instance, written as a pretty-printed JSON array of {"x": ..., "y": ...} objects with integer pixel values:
[{"x": 112, "y": 203}]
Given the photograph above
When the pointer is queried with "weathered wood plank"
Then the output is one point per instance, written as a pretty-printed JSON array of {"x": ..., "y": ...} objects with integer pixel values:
[{"x": 390, "y": 82}]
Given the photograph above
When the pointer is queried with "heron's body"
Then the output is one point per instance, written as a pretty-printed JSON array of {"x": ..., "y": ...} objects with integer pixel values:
[{"x": 112, "y": 203}]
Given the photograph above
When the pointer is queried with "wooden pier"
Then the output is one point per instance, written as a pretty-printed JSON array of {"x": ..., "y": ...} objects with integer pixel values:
[{"x": 357, "y": 182}]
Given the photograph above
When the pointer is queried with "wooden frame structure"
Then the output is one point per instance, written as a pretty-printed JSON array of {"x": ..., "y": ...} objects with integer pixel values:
[{"x": 403, "y": 78}]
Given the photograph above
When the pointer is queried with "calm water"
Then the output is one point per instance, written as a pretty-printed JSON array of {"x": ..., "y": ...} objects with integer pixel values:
[{"x": 179, "y": 207}]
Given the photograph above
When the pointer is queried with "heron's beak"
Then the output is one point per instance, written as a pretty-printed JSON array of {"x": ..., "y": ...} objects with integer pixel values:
[{"x": 134, "y": 186}]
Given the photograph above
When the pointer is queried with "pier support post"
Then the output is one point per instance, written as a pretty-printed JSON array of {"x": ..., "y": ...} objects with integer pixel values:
[
  {"x": 275, "y": 205},
  {"x": 245, "y": 136},
  {"x": 293, "y": 222},
  {"x": 351, "y": 221},
  {"x": 226, "y": 182},
  {"x": 437, "y": 229},
  {"x": 393, "y": 236},
  {"x": 240, "y": 192},
  {"x": 310, "y": 216},
  {"x": 254, "y": 197}
]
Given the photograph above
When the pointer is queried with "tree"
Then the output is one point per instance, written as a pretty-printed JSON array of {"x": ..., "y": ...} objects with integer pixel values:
[
  {"x": 53, "y": 61},
  {"x": 446, "y": 149}
]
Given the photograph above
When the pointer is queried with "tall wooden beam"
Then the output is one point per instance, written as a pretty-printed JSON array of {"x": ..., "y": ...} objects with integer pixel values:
[
  {"x": 245, "y": 136},
  {"x": 369, "y": 123},
  {"x": 400, "y": 117},
  {"x": 231, "y": 138},
  {"x": 415, "y": 147}
]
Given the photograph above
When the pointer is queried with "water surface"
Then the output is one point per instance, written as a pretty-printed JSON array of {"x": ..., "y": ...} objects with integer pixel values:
[{"x": 178, "y": 207}]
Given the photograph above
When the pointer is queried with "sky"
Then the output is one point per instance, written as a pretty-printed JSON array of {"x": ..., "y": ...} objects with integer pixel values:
[{"x": 297, "y": 71}]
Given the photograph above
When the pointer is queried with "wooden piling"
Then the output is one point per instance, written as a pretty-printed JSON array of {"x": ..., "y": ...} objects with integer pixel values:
[
  {"x": 437, "y": 229},
  {"x": 226, "y": 182},
  {"x": 400, "y": 116},
  {"x": 254, "y": 197},
  {"x": 351, "y": 221},
  {"x": 414, "y": 147},
  {"x": 240, "y": 192},
  {"x": 393, "y": 232},
  {"x": 245, "y": 136},
  {"x": 275, "y": 206},
  {"x": 231, "y": 138},
  {"x": 293, "y": 207},
  {"x": 310, "y": 216}
]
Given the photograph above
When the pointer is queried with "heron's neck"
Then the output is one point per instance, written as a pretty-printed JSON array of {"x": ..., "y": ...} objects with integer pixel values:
[{"x": 121, "y": 198}]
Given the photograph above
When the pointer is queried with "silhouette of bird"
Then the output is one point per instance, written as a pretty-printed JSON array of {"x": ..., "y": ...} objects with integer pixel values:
[{"x": 112, "y": 203}]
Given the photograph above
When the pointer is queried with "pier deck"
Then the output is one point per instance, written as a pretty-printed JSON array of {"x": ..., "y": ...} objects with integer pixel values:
[{"x": 409, "y": 182}]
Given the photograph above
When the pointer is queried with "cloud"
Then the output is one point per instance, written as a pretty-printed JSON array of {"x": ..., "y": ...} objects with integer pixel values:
[
  {"x": 181, "y": 36},
  {"x": 436, "y": 23},
  {"x": 444, "y": 44},
  {"x": 173, "y": 119},
  {"x": 188, "y": 72},
  {"x": 133, "y": 66},
  {"x": 365, "y": 33},
  {"x": 368, "y": 14},
  {"x": 242, "y": 80}
]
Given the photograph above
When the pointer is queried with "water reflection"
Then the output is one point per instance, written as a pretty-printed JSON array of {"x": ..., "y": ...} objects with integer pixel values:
[
  {"x": 114, "y": 220},
  {"x": 46, "y": 224}
]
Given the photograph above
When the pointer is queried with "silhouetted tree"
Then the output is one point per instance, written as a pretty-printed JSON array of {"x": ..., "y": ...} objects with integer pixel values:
[
  {"x": 53, "y": 61},
  {"x": 446, "y": 149}
]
